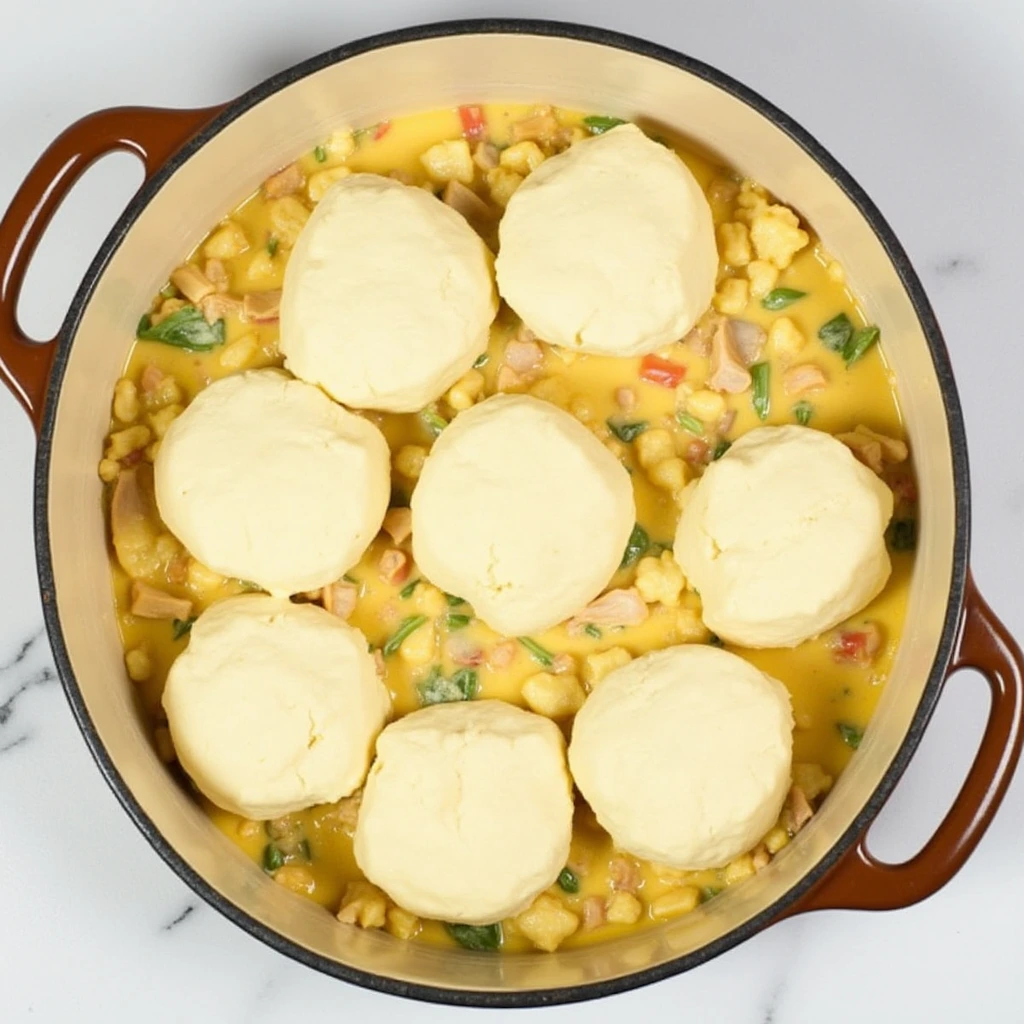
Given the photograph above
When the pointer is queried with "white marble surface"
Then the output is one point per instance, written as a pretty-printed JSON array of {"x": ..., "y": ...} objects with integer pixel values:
[{"x": 923, "y": 102}]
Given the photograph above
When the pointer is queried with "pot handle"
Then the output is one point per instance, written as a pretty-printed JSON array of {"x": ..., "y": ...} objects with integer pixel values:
[
  {"x": 861, "y": 882},
  {"x": 152, "y": 135}
]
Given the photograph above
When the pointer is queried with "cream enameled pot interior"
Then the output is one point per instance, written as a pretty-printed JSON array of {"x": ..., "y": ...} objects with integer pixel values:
[{"x": 404, "y": 78}]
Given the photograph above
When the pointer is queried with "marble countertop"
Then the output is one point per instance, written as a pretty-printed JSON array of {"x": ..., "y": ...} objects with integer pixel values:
[{"x": 922, "y": 100}]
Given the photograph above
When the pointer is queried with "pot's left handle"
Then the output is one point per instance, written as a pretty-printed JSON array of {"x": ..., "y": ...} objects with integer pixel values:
[{"x": 152, "y": 135}]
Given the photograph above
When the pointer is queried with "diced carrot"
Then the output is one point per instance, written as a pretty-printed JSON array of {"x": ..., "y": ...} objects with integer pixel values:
[
  {"x": 856, "y": 646},
  {"x": 381, "y": 130},
  {"x": 472, "y": 118},
  {"x": 663, "y": 372}
]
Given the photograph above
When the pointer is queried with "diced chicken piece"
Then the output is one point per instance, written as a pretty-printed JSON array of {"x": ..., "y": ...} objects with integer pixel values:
[
  {"x": 133, "y": 522},
  {"x": 524, "y": 357},
  {"x": 150, "y": 603},
  {"x": 856, "y": 646},
  {"x": 747, "y": 338},
  {"x": 798, "y": 380},
  {"x": 486, "y": 156},
  {"x": 379, "y": 664},
  {"x": 217, "y": 274},
  {"x": 726, "y": 422},
  {"x": 874, "y": 449},
  {"x": 728, "y": 372},
  {"x": 151, "y": 378},
  {"x": 542, "y": 125},
  {"x": 217, "y": 305},
  {"x": 464, "y": 652},
  {"x": 398, "y": 524},
  {"x": 285, "y": 183},
  {"x": 625, "y": 399},
  {"x": 624, "y": 874},
  {"x": 722, "y": 190},
  {"x": 509, "y": 379},
  {"x": 464, "y": 200},
  {"x": 340, "y": 598},
  {"x": 563, "y": 664},
  {"x": 697, "y": 452},
  {"x": 812, "y": 779},
  {"x": 700, "y": 336},
  {"x": 593, "y": 913},
  {"x": 394, "y": 566},
  {"x": 262, "y": 307},
  {"x": 797, "y": 811},
  {"x": 192, "y": 283},
  {"x": 620, "y": 607},
  {"x": 761, "y": 858},
  {"x": 502, "y": 655}
]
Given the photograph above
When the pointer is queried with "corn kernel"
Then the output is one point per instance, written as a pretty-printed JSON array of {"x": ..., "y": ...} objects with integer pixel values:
[
  {"x": 547, "y": 922},
  {"x": 502, "y": 184},
  {"x": 465, "y": 391},
  {"x": 109, "y": 470},
  {"x": 320, "y": 181},
  {"x": 124, "y": 442},
  {"x": 126, "y": 400},
  {"x": 262, "y": 269},
  {"x": 785, "y": 337},
  {"x": 690, "y": 627},
  {"x": 659, "y": 579},
  {"x": 363, "y": 904},
  {"x": 167, "y": 392},
  {"x": 238, "y": 352},
  {"x": 419, "y": 646},
  {"x": 623, "y": 908},
  {"x": 734, "y": 244},
  {"x": 678, "y": 901},
  {"x": 762, "y": 276},
  {"x": 553, "y": 390},
  {"x": 835, "y": 272},
  {"x": 812, "y": 779},
  {"x": 449, "y": 161},
  {"x": 597, "y": 666},
  {"x": 654, "y": 446},
  {"x": 430, "y": 601},
  {"x": 341, "y": 144},
  {"x": 732, "y": 296},
  {"x": 777, "y": 235},
  {"x": 409, "y": 460},
  {"x": 151, "y": 451},
  {"x": 401, "y": 923},
  {"x": 159, "y": 421},
  {"x": 202, "y": 579},
  {"x": 669, "y": 475},
  {"x": 740, "y": 868},
  {"x": 582, "y": 410},
  {"x": 226, "y": 242},
  {"x": 553, "y": 696},
  {"x": 138, "y": 664},
  {"x": 288, "y": 216},
  {"x": 708, "y": 406},
  {"x": 776, "y": 839},
  {"x": 752, "y": 199},
  {"x": 522, "y": 158},
  {"x": 296, "y": 878}
]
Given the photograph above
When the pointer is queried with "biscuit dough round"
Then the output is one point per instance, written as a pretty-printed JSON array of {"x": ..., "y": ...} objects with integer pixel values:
[
  {"x": 609, "y": 247},
  {"x": 684, "y": 755},
  {"x": 521, "y": 511},
  {"x": 784, "y": 537},
  {"x": 274, "y": 706},
  {"x": 467, "y": 811},
  {"x": 266, "y": 479},
  {"x": 388, "y": 296}
]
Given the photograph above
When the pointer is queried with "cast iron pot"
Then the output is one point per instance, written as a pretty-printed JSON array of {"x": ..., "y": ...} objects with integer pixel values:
[{"x": 199, "y": 164}]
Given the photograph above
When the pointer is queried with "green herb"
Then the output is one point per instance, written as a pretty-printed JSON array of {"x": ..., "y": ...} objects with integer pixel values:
[
  {"x": 598, "y": 124},
  {"x": 715, "y": 640},
  {"x": 181, "y": 627},
  {"x": 273, "y": 858},
  {"x": 406, "y": 592},
  {"x": 690, "y": 423},
  {"x": 851, "y": 734},
  {"x": 803, "y": 411},
  {"x": 476, "y": 936},
  {"x": 861, "y": 341},
  {"x": 709, "y": 892},
  {"x": 481, "y": 360},
  {"x": 591, "y": 630},
  {"x": 349, "y": 578},
  {"x": 437, "y": 689},
  {"x": 434, "y": 421},
  {"x": 307, "y": 853},
  {"x": 538, "y": 653},
  {"x": 720, "y": 449},
  {"x": 454, "y": 622},
  {"x": 627, "y": 432},
  {"x": 760, "y": 397},
  {"x": 249, "y": 585},
  {"x": 454, "y": 600},
  {"x": 568, "y": 880},
  {"x": 321, "y": 154},
  {"x": 187, "y": 328},
  {"x": 169, "y": 291},
  {"x": 780, "y": 298},
  {"x": 405, "y": 627},
  {"x": 272, "y": 244},
  {"x": 636, "y": 546},
  {"x": 836, "y": 333},
  {"x": 903, "y": 534}
]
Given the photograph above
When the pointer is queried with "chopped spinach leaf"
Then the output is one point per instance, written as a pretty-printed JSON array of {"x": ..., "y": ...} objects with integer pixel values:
[
  {"x": 836, "y": 332},
  {"x": 715, "y": 640},
  {"x": 903, "y": 534},
  {"x": 476, "y": 936},
  {"x": 803, "y": 411},
  {"x": 627, "y": 432},
  {"x": 481, "y": 360},
  {"x": 690, "y": 423},
  {"x": 456, "y": 621},
  {"x": 405, "y": 628},
  {"x": 321, "y": 154},
  {"x": 272, "y": 244},
  {"x": 406, "y": 592},
  {"x": 637, "y": 545},
  {"x": 433, "y": 420},
  {"x": 169, "y": 291},
  {"x": 591, "y": 630},
  {"x": 307, "y": 853},
  {"x": 760, "y": 396},
  {"x": 851, "y": 734},
  {"x": 780, "y": 298},
  {"x": 273, "y": 858},
  {"x": 720, "y": 449},
  {"x": 182, "y": 627},
  {"x": 859, "y": 343},
  {"x": 186, "y": 328},
  {"x": 438, "y": 689},
  {"x": 709, "y": 892},
  {"x": 568, "y": 880},
  {"x": 454, "y": 600},
  {"x": 598, "y": 124},
  {"x": 538, "y": 653}
]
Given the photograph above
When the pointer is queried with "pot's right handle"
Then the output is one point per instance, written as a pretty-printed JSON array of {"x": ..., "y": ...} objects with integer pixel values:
[
  {"x": 152, "y": 135},
  {"x": 861, "y": 882}
]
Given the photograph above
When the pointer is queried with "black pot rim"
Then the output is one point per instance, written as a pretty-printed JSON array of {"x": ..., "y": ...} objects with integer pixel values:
[{"x": 940, "y": 358}]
